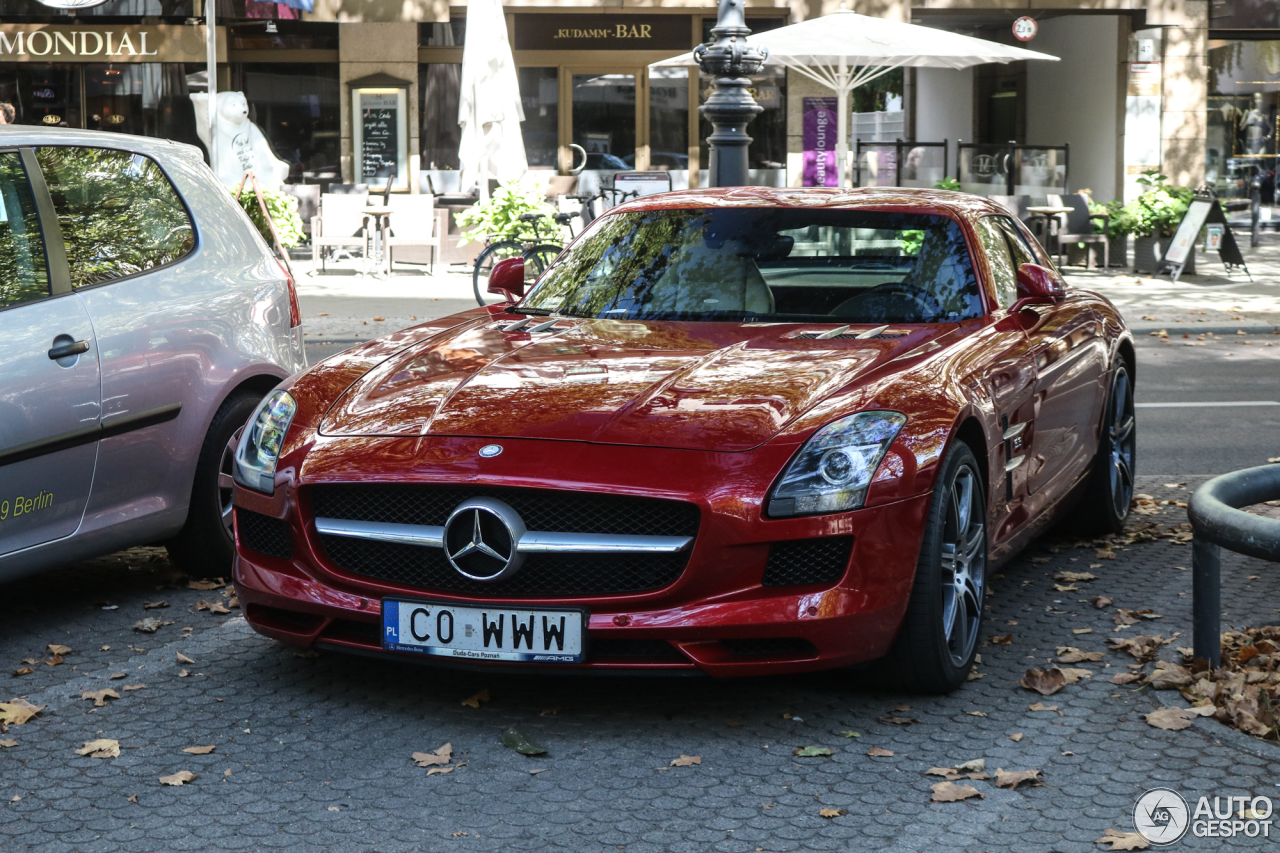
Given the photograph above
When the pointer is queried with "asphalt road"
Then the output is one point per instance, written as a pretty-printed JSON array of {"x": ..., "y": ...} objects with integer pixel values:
[{"x": 1178, "y": 440}]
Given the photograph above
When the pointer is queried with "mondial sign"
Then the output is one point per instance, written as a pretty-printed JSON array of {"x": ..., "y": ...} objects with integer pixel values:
[{"x": 104, "y": 42}]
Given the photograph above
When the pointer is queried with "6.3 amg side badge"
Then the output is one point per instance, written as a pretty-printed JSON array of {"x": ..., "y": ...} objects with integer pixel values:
[{"x": 482, "y": 539}]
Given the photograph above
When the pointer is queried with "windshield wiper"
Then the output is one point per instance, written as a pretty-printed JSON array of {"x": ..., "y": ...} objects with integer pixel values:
[{"x": 536, "y": 312}]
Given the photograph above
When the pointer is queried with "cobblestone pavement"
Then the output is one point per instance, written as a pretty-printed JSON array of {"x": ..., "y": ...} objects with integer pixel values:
[{"x": 314, "y": 753}]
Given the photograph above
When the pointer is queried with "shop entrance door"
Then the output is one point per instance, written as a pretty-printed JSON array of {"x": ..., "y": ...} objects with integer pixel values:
[{"x": 604, "y": 120}]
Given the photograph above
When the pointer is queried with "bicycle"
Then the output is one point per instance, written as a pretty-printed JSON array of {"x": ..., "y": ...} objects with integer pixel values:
[{"x": 537, "y": 255}]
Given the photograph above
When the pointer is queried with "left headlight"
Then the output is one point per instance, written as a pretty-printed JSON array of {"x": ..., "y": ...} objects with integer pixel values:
[
  {"x": 255, "y": 465},
  {"x": 833, "y": 469}
]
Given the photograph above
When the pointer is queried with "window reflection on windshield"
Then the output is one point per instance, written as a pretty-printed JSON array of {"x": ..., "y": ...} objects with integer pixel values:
[{"x": 850, "y": 266}]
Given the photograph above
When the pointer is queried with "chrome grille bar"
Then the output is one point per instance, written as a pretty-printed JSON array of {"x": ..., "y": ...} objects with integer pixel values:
[{"x": 532, "y": 542}]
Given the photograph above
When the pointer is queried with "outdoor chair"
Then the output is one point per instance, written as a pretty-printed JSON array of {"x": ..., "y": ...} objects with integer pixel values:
[
  {"x": 308, "y": 196},
  {"x": 1078, "y": 228},
  {"x": 341, "y": 224},
  {"x": 413, "y": 223},
  {"x": 348, "y": 189}
]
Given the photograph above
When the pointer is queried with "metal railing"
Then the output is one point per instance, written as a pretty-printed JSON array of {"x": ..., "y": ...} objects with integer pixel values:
[
  {"x": 1012, "y": 169},
  {"x": 1218, "y": 522},
  {"x": 900, "y": 163}
]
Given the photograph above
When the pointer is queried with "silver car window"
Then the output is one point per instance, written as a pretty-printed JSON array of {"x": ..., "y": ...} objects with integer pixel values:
[
  {"x": 24, "y": 272},
  {"x": 119, "y": 213}
]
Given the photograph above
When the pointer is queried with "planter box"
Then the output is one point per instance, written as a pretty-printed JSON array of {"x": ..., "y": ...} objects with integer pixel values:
[
  {"x": 1144, "y": 254},
  {"x": 1119, "y": 249}
]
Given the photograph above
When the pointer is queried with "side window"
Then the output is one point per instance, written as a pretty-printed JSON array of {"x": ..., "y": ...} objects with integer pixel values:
[
  {"x": 1004, "y": 278},
  {"x": 1022, "y": 253},
  {"x": 119, "y": 213},
  {"x": 24, "y": 272}
]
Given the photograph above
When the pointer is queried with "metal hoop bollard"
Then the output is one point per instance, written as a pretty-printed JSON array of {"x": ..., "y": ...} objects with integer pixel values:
[{"x": 1219, "y": 523}]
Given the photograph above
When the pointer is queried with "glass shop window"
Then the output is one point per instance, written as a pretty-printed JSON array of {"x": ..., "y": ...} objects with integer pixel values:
[
  {"x": 439, "y": 84},
  {"x": 768, "y": 130},
  {"x": 451, "y": 34},
  {"x": 297, "y": 107},
  {"x": 540, "y": 97}
]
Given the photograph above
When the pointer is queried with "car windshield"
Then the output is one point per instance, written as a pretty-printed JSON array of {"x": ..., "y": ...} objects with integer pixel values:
[{"x": 779, "y": 264}]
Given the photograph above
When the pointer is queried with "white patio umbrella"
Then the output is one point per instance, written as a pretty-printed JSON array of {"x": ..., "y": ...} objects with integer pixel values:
[
  {"x": 489, "y": 110},
  {"x": 844, "y": 50}
]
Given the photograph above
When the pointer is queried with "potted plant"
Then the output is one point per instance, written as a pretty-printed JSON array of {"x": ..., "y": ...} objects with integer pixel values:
[
  {"x": 1119, "y": 227},
  {"x": 1155, "y": 216},
  {"x": 498, "y": 218}
]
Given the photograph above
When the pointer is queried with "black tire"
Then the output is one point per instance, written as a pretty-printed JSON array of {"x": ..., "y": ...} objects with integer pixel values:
[
  {"x": 1105, "y": 505},
  {"x": 936, "y": 644},
  {"x": 500, "y": 251},
  {"x": 537, "y": 259},
  {"x": 205, "y": 547}
]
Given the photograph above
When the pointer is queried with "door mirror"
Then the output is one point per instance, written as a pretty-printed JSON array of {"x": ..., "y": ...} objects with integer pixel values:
[
  {"x": 1037, "y": 285},
  {"x": 507, "y": 279}
]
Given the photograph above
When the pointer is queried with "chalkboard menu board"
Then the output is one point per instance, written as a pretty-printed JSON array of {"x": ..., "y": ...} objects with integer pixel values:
[{"x": 381, "y": 135}]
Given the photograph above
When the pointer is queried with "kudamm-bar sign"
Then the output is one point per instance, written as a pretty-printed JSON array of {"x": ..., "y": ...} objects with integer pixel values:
[{"x": 90, "y": 43}]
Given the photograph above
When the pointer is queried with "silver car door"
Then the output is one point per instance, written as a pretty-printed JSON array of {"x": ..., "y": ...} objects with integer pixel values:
[{"x": 50, "y": 385}]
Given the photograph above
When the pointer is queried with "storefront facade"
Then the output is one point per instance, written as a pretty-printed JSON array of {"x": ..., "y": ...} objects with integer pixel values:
[{"x": 1130, "y": 93}]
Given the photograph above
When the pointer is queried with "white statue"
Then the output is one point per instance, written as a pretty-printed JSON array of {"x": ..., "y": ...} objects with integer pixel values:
[{"x": 241, "y": 147}]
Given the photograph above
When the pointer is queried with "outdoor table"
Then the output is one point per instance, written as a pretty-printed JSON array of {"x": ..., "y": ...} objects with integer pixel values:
[
  {"x": 1047, "y": 213},
  {"x": 381, "y": 216}
]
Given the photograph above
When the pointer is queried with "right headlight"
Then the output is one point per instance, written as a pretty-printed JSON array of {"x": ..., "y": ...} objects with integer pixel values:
[
  {"x": 259, "y": 449},
  {"x": 833, "y": 469}
]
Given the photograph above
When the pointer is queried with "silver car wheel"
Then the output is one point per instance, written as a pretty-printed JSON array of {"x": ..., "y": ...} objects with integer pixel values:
[
  {"x": 1123, "y": 441},
  {"x": 226, "y": 483},
  {"x": 964, "y": 557}
]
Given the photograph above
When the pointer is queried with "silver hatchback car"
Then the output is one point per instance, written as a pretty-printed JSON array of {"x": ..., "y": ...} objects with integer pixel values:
[{"x": 142, "y": 320}]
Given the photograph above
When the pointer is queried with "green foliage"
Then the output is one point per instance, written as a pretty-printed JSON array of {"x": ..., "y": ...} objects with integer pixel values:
[
  {"x": 912, "y": 241},
  {"x": 1160, "y": 208},
  {"x": 1121, "y": 222},
  {"x": 499, "y": 217},
  {"x": 947, "y": 183},
  {"x": 283, "y": 209}
]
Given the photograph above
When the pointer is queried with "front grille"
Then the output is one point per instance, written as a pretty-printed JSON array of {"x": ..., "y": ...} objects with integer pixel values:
[
  {"x": 807, "y": 561},
  {"x": 542, "y": 575},
  {"x": 791, "y": 647},
  {"x": 264, "y": 534}
]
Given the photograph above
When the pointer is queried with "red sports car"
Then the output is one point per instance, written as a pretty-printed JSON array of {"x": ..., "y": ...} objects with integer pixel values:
[{"x": 736, "y": 431}]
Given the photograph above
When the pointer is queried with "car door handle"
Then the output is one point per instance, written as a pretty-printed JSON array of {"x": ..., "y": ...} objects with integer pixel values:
[{"x": 74, "y": 348}]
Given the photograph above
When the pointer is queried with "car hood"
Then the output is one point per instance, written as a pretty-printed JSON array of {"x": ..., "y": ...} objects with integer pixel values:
[{"x": 702, "y": 386}]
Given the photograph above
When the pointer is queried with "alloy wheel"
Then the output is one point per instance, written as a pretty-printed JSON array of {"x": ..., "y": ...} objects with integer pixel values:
[
  {"x": 964, "y": 557},
  {"x": 226, "y": 483},
  {"x": 1123, "y": 440}
]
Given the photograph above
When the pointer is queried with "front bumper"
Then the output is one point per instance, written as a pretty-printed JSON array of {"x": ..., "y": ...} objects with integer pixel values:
[{"x": 307, "y": 600}]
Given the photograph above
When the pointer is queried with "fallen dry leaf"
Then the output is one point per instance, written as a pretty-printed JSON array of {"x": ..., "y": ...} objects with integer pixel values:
[
  {"x": 182, "y": 777},
  {"x": 134, "y": 687},
  {"x": 1105, "y": 554},
  {"x": 830, "y": 813},
  {"x": 475, "y": 700},
  {"x": 1070, "y": 654},
  {"x": 100, "y": 697},
  {"x": 1126, "y": 678},
  {"x": 1171, "y": 719},
  {"x": 184, "y": 659},
  {"x": 56, "y": 660},
  {"x": 100, "y": 748},
  {"x": 149, "y": 625},
  {"x": 1101, "y": 602},
  {"x": 1124, "y": 617},
  {"x": 551, "y": 711},
  {"x": 898, "y": 721},
  {"x": 1040, "y": 706},
  {"x": 56, "y": 649},
  {"x": 811, "y": 751},
  {"x": 182, "y": 673},
  {"x": 116, "y": 676},
  {"x": 1011, "y": 779},
  {"x": 1123, "y": 840},
  {"x": 877, "y": 752},
  {"x": 1169, "y": 676},
  {"x": 1015, "y": 737},
  {"x": 22, "y": 670},
  {"x": 1082, "y": 631},
  {"x": 15, "y": 712},
  {"x": 1068, "y": 587},
  {"x": 155, "y": 605},
  {"x": 438, "y": 771},
  {"x": 133, "y": 798},
  {"x": 206, "y": 585},
  {"x": 1075, "y": 577},
  {"x": 1142, "y": 648},
  {"x": 200, "y": 750},
  {"x": 1075, "y": 674},
  {"x": 1044, "y": 682},
  {"x": 950, "y": 792},
  {"x": 1006, "y": 640},
  {"x": 686, "y": 760},
  {"x": 976, "y": 713},
  {"x": 7, "y": 744},
  {"x": 431, "y": 759}
]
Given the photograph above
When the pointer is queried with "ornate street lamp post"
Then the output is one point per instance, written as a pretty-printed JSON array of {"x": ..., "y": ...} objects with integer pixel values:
[{"x": 730, "y": 61}]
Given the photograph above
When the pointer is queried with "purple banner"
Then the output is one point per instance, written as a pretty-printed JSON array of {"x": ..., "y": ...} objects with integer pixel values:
[{"x": 819, "y": 133}]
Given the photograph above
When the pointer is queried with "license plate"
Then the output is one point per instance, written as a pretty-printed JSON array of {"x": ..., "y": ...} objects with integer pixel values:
[{"x": 525, "y": 634}]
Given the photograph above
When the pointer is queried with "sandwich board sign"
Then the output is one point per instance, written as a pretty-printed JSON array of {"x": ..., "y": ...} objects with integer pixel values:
[{"x": 1203, "y": 211}]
